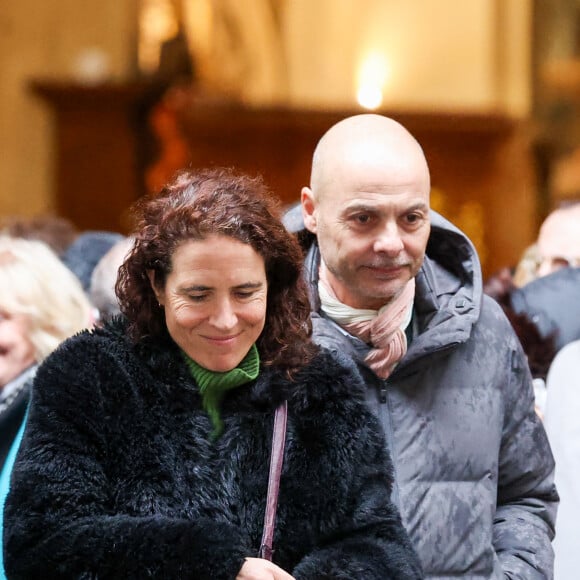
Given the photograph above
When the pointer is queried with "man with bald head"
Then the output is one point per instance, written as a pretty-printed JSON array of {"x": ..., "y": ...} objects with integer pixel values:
[
  {"x": 399, "y": 289},
  {"x": 559, "y": 240}
]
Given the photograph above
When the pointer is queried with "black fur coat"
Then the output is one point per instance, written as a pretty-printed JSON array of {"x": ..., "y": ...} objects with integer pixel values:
[{"x": 117, "y": 475}]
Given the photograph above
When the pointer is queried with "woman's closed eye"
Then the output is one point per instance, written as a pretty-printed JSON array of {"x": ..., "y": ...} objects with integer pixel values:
[
  {"x": 198, "y": 297},
  {"x": 244, "y": 294}
]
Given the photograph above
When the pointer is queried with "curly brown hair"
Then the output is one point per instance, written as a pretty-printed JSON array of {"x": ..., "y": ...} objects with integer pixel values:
[{"x": 195, "y": 205}]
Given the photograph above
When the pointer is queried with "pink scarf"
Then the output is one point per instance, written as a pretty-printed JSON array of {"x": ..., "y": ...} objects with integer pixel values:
[{"x": 383, "y": 330}]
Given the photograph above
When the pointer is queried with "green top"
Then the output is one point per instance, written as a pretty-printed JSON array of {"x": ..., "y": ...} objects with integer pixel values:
[{"x": 213, "y": 385}]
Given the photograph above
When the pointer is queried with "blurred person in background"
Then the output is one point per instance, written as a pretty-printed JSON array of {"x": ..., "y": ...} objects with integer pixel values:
[
  {"x": 557, "y": 246},
  {"x": 55, "y": 231},
  {"x": 552, "y": 301},
  {"x": 562, "y": 420},
  {"x": 541, "y": 298},
  {"x": 104, "y": 277},
  {"x": 83, "y": 255},
  {"x": 41, "y": 304},
  {"x": 559, "y": 240}
]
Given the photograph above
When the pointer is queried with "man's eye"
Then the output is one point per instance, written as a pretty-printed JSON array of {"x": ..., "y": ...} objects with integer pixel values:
[
  {"x": 362, "y": 218},
  {"x": 413, "y": 218}
]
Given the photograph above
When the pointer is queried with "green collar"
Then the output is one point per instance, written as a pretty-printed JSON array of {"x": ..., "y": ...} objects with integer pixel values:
[{"x": 213, "y": 385}]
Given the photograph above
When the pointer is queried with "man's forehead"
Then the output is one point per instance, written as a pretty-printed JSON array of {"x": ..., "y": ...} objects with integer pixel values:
[{"x": 374, "y": 202}]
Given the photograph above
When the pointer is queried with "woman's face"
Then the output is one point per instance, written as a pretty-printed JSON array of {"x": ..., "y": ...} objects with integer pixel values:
[
  {"x": 16, "y": 350},
  {"x": 215, "y": 300}
]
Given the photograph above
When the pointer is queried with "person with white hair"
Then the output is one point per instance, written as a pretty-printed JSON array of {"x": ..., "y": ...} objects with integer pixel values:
[{"x": 41, "y": 304}]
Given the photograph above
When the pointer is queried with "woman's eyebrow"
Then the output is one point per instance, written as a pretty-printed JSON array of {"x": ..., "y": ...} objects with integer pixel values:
[
  {"x": 202, "y": 288},
  {"x": 250, "y": 285},
  {"x": 195, "y": 288}
]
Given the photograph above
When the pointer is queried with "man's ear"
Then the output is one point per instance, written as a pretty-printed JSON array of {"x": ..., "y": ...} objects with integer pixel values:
[
  {"x": 308, "y": 209},
  {"x": 158, "y": 294}
]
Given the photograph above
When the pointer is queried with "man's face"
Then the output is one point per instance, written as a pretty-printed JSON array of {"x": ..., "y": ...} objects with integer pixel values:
[
  {"x": 372, "y": 226},
  {"x": 559, "y": 241}
]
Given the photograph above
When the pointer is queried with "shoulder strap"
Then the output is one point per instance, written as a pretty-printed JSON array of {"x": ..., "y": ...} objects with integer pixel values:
[{"x": 276, "y": 461}]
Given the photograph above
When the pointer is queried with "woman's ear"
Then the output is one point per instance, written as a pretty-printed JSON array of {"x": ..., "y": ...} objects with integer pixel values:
[{"x": 159, "y": 294}]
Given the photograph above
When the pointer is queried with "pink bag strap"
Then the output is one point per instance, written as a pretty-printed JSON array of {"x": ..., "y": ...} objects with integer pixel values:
[{"x": 276, "y": 461}]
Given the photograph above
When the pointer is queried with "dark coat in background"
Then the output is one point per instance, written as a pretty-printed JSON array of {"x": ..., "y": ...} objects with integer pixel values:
[
  {"x": 117, "y": 476},
  {"x": 553, "y": 304},
  {"x": 474, "y": 474}
]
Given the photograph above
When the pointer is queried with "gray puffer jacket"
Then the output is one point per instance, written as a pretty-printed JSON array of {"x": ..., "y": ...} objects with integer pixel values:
[{"x": 474, "y": 470}]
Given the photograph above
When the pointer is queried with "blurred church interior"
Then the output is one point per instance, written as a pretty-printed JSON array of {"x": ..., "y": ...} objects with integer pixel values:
[{"x": 100, "y": 103}]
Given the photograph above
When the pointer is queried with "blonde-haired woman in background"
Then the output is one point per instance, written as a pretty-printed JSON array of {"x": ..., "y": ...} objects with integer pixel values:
[{"x": 41, "y": 303}]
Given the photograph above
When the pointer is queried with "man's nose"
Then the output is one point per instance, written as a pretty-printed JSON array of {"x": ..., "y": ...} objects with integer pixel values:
[{"x": 389, "y": 241}]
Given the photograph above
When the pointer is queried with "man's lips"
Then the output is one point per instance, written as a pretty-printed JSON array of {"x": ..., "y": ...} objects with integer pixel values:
[{"x": 386, "y": 270}]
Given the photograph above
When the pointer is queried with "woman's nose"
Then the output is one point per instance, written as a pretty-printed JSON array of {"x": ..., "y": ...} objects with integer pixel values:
[{"x": 224, "y": 316}]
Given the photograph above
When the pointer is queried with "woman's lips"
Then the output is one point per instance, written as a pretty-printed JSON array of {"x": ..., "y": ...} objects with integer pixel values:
[{"x": 222, "y": 340}]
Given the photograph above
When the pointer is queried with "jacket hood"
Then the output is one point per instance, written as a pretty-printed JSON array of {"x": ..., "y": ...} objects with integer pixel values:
[{"x": 449, "y": 288}]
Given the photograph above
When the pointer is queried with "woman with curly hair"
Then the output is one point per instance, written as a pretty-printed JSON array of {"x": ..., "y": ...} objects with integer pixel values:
[{"x": 147, "y": 449}]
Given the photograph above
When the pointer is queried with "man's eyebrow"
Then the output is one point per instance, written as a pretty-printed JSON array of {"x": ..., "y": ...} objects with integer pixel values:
[
  {"x": 358, "y": 206},
  {"x": 421, "y": 205},
  {"x": 361, "y": 206}
]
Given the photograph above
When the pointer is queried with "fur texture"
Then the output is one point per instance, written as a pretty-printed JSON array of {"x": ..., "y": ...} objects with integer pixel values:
[{"x": 117, "y": 476}]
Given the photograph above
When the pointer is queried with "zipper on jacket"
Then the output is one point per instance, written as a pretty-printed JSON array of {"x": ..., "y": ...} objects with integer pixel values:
[{"x": 387, "y": 422}]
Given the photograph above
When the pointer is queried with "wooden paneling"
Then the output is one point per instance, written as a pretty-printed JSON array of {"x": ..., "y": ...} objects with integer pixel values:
[
  {"x": 99, "y": 133},
  {"x": 481, "y": 164}
]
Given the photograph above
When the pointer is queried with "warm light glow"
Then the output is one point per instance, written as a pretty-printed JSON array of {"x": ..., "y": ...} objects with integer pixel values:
[
  {"x": 370, "y": 97},
  {"x": 372, "y": 76}
]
